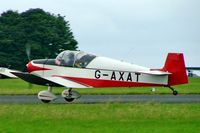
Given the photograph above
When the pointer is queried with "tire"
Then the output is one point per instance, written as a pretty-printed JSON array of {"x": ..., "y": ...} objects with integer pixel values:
[
  {"x": 45, "y": 101},
  {"x": 69, "y": 99},
  {"x": 175, "y": 93}
]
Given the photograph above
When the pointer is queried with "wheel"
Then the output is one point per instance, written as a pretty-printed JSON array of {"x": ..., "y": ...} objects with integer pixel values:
[
  {"x": 70, "y": 95},
  {"x": 175, "y": 93},
  {"x": 69, "y": 99},
  {"x": 45, "y": 101}
]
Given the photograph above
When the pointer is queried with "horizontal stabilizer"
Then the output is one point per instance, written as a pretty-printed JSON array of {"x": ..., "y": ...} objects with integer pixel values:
[{"x": 155, "y": 72}]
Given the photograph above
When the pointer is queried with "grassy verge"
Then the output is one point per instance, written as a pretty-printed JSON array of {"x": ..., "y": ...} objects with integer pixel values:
[
  {"x": 17, "y": 86},
  {"x": 98, "y": 118}
]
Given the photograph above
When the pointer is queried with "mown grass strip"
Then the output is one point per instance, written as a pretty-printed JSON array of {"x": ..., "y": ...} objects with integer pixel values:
[{"x": 142, "y": 118}]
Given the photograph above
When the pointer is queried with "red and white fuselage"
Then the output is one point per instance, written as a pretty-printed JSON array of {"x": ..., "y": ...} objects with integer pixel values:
[{"x": 76, "y": 69}]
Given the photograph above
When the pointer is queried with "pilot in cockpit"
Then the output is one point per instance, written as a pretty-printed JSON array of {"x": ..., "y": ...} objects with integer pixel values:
[
  {"x": 77, "y": 59},
  {"x": 66, "y": 58}
]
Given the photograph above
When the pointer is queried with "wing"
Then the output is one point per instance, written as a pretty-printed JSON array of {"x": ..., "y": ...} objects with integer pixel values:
[
  {"x": 66, "y": 82},
  {"x": 49, "y": 81},
  {"x": 6, "y": 73}
]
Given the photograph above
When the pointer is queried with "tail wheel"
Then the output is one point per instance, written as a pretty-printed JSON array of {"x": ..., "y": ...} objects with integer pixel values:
[
  {"x": 175, "y": 93},
  {"x": 173, "y": 90}
]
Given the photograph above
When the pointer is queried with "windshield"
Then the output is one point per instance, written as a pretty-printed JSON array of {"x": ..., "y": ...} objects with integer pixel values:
[{"x": 78, "y": 59}]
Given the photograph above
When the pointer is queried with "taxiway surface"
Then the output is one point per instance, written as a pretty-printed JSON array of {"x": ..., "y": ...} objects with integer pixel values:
[{"x": 24, "y": 99}]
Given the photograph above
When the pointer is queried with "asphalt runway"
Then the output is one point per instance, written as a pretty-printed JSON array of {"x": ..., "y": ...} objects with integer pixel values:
[{"x": 87, "y": 99}]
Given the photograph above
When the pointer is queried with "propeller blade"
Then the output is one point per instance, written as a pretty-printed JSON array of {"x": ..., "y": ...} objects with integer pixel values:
[{"x": 28, "y": 51}]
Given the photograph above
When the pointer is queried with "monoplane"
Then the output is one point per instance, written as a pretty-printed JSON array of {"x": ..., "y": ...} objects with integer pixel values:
[{"x": 77, "y": 69}]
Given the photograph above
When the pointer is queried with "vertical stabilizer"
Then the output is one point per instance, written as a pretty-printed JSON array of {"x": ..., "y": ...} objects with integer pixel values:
[{"x": 175, "y": 64}]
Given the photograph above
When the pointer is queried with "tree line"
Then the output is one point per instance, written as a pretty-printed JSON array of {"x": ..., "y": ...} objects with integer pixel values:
[{"x": 32, "y": 34}]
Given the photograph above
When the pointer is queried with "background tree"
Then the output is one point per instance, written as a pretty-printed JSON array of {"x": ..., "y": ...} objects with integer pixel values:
[{"x": 44, "y": 34}]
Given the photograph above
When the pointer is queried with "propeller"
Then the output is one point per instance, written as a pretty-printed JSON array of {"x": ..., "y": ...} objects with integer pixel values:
[{"x": 28, "y": 51}]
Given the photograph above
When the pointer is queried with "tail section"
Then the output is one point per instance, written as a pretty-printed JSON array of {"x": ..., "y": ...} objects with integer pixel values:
[{"x": 175, "y": 64}]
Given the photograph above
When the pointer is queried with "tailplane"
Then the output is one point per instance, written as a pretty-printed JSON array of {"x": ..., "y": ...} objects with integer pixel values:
[{"x": 175, "y": 64}]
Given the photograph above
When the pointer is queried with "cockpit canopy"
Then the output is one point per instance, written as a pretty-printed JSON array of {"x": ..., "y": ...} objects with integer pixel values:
[{"x": 78, "y": 59}]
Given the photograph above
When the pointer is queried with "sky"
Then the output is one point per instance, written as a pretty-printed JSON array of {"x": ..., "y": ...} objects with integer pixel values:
[{"x": 141, "y": 32}]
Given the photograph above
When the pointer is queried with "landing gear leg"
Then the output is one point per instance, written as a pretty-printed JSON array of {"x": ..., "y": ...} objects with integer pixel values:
[
  {"x": 49, "y": 88},
  {"x": 173, "y": 90}
]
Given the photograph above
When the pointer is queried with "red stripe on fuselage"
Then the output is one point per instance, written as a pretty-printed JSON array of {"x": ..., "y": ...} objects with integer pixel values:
[{"x": 107, "y": 83}]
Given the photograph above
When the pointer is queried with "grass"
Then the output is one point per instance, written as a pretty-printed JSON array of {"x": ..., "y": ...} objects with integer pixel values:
[
  {"x": 17, "y": 86},
  {"x": 98, "y": 118}
]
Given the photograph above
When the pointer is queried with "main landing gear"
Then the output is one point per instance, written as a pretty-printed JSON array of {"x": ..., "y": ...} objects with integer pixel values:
[
  {"x": 69, "y": 95},
  {"x": 173, "y": 90},
  {"x": 47, "y": 96}
]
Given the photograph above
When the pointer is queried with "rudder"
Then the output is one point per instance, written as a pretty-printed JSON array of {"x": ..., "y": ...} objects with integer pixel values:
[{"x": 175, "y": 64}]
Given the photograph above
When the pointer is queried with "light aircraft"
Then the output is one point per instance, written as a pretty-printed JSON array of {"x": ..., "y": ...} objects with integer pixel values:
[
  {"x": 6, "y": 73},
  {"x": 77, "y": 69},
  {"x": 190, "y": 70}
]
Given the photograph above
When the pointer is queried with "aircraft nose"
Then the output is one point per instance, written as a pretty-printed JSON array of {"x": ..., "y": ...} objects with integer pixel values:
[
  {"x": 36, "y": 65},
  {"x": 29, "y": 67}
]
